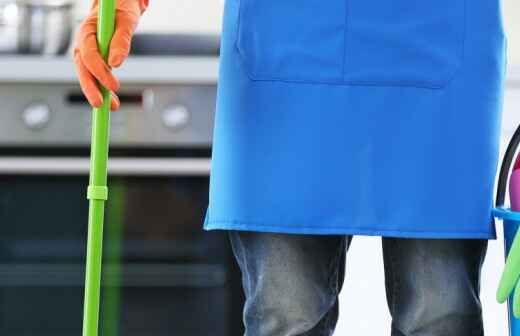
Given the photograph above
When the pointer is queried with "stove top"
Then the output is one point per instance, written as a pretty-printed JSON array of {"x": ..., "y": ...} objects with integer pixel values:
[{"x": 137, "y": 69}]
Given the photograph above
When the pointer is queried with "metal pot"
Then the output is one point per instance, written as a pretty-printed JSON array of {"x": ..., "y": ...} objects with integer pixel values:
[{"x": 35, "y": 26}]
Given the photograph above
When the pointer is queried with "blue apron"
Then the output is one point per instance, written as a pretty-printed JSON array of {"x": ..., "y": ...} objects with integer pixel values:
[{"x": 366, "y": 117}]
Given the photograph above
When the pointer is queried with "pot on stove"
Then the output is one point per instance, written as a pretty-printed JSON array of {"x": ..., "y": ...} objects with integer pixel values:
[{"x": 35, "y": 26}]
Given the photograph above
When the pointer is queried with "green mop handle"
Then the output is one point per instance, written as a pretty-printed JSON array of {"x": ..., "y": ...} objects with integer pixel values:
[{"x": 97, "y": 191}]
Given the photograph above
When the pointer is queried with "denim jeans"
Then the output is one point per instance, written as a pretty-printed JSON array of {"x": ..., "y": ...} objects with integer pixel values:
[{"x": 291, "y": 283}]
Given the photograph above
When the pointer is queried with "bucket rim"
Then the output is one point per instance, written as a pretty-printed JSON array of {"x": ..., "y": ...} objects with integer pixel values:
[{"x": 506, "y": 213}]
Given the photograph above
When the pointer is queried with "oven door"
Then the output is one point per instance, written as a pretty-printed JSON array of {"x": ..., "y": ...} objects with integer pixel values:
[{"x": 162, "y": 274}]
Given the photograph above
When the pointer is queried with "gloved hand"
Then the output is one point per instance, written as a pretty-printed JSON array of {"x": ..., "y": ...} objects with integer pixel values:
[
  {"x": 510, "y": 276},
  {"x": 90, "y": 66}
]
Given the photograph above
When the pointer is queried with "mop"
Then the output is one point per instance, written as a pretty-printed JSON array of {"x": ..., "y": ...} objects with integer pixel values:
[
  {"x": 97, "y": 191},
  {"x": 511, "y": 218}
]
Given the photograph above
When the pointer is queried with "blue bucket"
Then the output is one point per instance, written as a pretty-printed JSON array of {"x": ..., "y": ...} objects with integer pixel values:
[
  {"x": 511, "y": 224},
  {"x": 511, "y": 219}
]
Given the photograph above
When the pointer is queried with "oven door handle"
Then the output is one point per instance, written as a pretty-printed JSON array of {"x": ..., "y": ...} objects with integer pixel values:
[{"x": 121, "y": 166}]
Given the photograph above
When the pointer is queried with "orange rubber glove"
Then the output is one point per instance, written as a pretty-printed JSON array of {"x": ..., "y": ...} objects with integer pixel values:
[{"x": 90, "y": 66}]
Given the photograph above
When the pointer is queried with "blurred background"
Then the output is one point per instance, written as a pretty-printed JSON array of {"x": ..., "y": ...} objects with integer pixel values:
[{"x": 162, "y": 274}]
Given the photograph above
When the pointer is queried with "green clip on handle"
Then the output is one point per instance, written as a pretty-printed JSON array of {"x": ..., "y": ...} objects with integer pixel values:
[{"x": 97, "y": 191}]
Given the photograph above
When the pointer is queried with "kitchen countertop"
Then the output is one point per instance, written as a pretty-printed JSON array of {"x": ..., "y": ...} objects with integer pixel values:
[
  {"x": 137, "y": 69},
  {"x": 142, "y": 69}
]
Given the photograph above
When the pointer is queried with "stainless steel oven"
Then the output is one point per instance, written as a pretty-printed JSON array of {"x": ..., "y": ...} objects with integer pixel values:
[{"x": 162, "y": 274}]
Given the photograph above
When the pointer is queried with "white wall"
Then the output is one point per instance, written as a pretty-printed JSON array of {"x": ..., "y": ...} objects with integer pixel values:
[
  {"x": 177, "y": 15},
  {"x": 363, "y": 303},
  {"x": 511, "y": 11}
]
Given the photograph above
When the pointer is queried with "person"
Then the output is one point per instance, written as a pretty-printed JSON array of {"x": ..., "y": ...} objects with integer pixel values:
[{"x": 344, "y": 118}]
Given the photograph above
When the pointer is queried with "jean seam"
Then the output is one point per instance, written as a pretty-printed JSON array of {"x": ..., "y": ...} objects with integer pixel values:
[
  {"x": 332, "y": 276},
  {"x": 394, "y": 278},
  {"x": 333, "y": 284},
  {"x": 244, "y": 262},
  {"x": 335, "y": 267},
  {"x": 245, "y": 272}
]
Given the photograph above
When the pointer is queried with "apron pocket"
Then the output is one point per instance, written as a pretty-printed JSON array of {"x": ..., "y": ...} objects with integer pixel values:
[
  {"x": 292, "y": 40},
  {"x": 404, "y": 42}
]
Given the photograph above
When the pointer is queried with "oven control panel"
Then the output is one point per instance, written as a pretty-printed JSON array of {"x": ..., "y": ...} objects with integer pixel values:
[
  {"x": 176, "y": 116},
  {"x": 150, "y": 115},
  {"x": 36, "y": 116}
]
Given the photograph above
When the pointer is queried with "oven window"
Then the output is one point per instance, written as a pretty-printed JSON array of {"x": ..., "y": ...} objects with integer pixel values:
[{"x": 162, "y": 274}]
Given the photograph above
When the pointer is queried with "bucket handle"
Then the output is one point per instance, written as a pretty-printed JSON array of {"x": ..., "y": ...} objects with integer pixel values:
[{"x": 505, "y": 168}]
